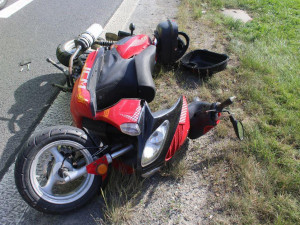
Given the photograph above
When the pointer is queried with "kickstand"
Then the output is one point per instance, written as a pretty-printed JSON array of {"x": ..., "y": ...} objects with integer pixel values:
[{"x": 63, "y": 88}]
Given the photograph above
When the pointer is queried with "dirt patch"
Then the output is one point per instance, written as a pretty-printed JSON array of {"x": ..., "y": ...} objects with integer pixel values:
[{"x": 237, "y": 14}]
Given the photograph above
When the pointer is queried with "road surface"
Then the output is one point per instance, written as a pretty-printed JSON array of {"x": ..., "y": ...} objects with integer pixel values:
[{"x": 30, "y": 30}]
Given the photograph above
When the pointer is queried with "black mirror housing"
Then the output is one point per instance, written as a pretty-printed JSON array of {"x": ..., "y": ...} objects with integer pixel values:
[{"x": 238, "y": 127}]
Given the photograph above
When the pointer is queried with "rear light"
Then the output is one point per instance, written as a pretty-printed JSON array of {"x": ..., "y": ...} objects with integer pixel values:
[{"x": 131, "y": 129}]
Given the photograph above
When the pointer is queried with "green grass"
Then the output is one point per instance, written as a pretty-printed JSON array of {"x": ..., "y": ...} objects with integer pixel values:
[
  {"x": 119, "y": 197},
  {"x": 267, "y": 164}
]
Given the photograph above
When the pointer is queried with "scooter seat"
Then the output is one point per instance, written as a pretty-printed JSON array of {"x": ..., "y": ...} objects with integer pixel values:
[{"x": 119, "y": 78}]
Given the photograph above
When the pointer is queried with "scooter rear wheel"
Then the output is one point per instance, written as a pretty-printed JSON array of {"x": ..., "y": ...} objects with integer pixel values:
[
  {"x": 44, "y": 162},
  {"x": 65, "y": 50}
]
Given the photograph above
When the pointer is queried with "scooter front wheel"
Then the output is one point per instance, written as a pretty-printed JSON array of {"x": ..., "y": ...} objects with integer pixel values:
[{"x": 50, "y": 170}]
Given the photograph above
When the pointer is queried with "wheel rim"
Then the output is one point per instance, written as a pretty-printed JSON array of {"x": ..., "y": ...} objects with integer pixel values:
[
  {"x": 71, "y": 48},
  {"x": 46, "y": 180}
]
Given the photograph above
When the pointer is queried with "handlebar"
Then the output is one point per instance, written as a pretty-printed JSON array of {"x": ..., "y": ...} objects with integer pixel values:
[
  {"x": 87, "y": 38},
  {"x": 72, "y": 59},
  {"x": 227, "y": 102},
  {"x": 84, "y": 41}
]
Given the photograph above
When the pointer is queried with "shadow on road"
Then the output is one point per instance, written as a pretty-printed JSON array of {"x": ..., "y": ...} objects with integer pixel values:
[{"x": 32, "y": 99}]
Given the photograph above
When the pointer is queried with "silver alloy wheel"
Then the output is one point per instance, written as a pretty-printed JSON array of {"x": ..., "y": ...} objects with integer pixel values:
[
  {"x": 70, "y": 46},
  {"x": 46, "y": 181}
]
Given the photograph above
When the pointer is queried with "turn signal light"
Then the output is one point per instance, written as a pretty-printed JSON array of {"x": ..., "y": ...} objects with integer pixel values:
[
  {"x": 101, "y": 169},
  {"x": 131, "y": 129}
]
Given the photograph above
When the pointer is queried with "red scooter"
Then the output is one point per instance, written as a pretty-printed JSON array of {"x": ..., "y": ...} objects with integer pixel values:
[{"x": 61, "y": 168}]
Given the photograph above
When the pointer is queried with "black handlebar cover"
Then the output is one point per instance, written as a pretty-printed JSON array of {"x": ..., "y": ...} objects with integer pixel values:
[
  {"x": 122, "y": 34},
  {"x": 203, "y": 117},
  {"x": 224, "y": 104}
]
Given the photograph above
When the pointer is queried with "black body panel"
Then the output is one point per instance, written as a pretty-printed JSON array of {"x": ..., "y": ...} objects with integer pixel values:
[
  {"x": 148, "y": 123},
  {"x": 144, "y": 64},
  {"x": 200, "y": 119},
  {"x": 205, "y": 62},
  {"x": 93, "y": 77},
  {"x": 113, "y": 78},
  {"x": 116, "y": 80}
]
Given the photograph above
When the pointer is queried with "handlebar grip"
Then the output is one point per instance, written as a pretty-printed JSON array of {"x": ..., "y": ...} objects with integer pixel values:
[
  {"x": 224, "y": 104},
  {"x": 95, "y": 30},
  {"x": 123, "y": 34},
  {"x": 87, "y": 38}
]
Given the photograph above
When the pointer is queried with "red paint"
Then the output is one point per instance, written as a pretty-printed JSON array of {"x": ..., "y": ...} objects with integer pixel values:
[
  {"x": 135, "y": 45},
  {"x": 209, "y": 127},
  {"x": 181, "y": 131},
  {"x": 125, "y": 111},
  {"x": 80, "y": 101}
]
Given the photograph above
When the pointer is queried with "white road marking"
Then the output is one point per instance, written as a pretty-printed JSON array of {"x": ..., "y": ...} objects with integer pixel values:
[
  {"x": 121, "y": 16},
  {"x": 13, "y": 8}
]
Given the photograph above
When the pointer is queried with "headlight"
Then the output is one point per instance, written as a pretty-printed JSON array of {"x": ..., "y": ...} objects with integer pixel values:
[{"x": 155, "y": 144}]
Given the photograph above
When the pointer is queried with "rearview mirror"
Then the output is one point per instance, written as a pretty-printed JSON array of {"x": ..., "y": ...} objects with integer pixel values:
[
  {"x": 111, "y": 37},
  {"x": 238, "y": 127}
]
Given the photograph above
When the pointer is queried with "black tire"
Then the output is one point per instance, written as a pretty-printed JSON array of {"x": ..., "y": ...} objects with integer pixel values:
[
  {"x": 64, "y": 52},
  {"x": 32, "y": 150},
  {"x": 2, "y": 3}
]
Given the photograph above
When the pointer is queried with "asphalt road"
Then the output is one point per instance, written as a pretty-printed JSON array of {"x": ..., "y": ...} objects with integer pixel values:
[{"x": 32, "y": 34}]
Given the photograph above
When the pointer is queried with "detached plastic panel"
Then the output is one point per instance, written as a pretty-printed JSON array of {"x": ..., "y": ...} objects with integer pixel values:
[{"x": 205, "y": 62}]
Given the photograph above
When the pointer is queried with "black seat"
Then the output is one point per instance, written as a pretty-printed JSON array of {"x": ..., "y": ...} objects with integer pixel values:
[
  {"x": 113, "y": 78},
  {"x": 144, "y": 64}
]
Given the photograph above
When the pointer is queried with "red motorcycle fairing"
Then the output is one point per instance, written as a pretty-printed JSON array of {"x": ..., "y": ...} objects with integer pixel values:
[
  {"x": 81, "y": 98},
  {"x": 133, "y": 45},
  {"x": 124, "y": 111},
  {"x": 181, "y": 132},
  {"x": 178, "y": 117}
]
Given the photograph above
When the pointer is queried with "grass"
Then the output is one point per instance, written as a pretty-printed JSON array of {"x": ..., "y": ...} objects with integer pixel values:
[
  {"x": 119, "y": 197},
  {"x": 256, "y": 181},
  {"x": 176, "y": 168},
  {"x": 267, "y": 165}
]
